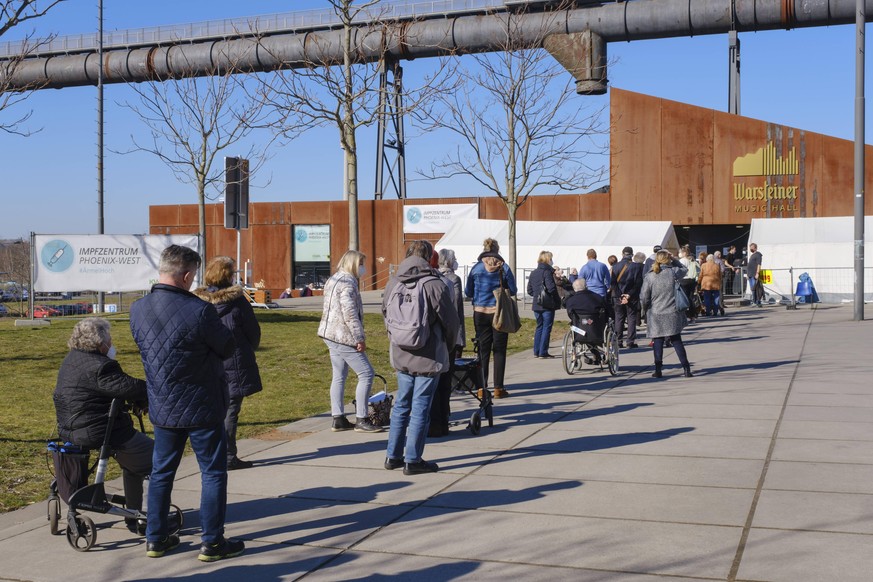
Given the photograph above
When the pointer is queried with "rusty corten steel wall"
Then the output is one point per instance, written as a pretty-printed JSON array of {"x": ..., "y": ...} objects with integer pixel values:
[
  {"x": 697, "y": 166},
  {"x": 268, "y": 243}
]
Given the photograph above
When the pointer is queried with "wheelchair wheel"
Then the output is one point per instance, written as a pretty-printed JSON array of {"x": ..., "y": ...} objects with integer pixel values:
[
  {"x": 83, "y": 537},
  {"x": 475, "y": 424},
  {"x": 176, "y": 519},
  {"x": 568, "y": 354},
  {"x": 611, "y": 346},
  {"x": 54, "y": 515}
]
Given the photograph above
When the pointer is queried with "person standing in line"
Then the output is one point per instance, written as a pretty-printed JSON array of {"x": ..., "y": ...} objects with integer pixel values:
[
  {"x": 88, "y": 380},
  {"x": 595, "y": 273},
  {"x": 689, "y": 281},
  {"x": 627, "y": 281},
  {"x": 665, "y": 323},
  {"x": 342, "y": 329},
  {"x": 650, "y": 260},
  {"x": 418, "y": 370},
  {"x": 241, "y": 369},
  {"x": 182, "y": 343},
  {"x": 440, "y": 410},
  {"x": 543, "y": 277},
  {"x": 483, "y": 279},
  {"x": 754, "y": 274},
  {"x": 710, "y": 283}
]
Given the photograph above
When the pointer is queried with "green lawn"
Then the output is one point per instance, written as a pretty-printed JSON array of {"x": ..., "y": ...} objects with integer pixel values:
[{"x": 294, "y": 366}]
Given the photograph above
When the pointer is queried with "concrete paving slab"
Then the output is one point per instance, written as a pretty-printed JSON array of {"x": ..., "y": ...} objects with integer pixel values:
[
  {"x": 826, "y": 430},
  {"x": 833, "y": 477},
  {"x": 653, "y": 407},
  {"x": 815, "y": 511},
  {"x": 702, "y": 426},
  {"x": 734, "y": 396},
  {"x": 676, "y": 441},
  {"x": 708, "y": 505},
  {"x": 383, "y": 566},
  {"x": 827, "y": 400},
  {"x": 824, "y": 451},
  {"x": 828, "y": 413},
  {"x": 578, "y": 542},
  {"x": 789, "y": 556},
  {"x": 695, "y": 471}
]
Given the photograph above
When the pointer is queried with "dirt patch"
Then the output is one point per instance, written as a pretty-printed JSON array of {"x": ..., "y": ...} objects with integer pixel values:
[{"x": 278, "y": 434}]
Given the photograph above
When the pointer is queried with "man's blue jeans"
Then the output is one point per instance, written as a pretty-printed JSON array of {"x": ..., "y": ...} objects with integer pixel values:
[
  {"x": 410, "y": 416},
  {"x": 210, "y": 448},
  {"x": 545, "y": 321}
]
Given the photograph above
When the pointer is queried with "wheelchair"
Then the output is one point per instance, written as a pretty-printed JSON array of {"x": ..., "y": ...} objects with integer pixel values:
[{"x": 591, "y": 340}]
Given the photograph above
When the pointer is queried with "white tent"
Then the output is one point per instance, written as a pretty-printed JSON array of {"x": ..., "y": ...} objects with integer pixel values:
[
  {"x": 568, "y": 241},
  {"x": 821, "y": 247}
]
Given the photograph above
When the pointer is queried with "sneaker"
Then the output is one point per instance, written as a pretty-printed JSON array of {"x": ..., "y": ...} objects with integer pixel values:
[
  {"x": 500, "y": 393},
  {"x": 420, "y": 467},
  {"x": 364, "y": 425},
  {"x": 632, "y": 346},
  {"x": 341, "y": 423},
  {"x": 158, "y": 549},
  {"x": 237, "y": 463},
  {"x": 224, "y": 549}
]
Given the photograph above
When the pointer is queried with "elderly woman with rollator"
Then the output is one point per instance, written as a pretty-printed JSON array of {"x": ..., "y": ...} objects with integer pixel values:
[{"x": 658, "y": 297}]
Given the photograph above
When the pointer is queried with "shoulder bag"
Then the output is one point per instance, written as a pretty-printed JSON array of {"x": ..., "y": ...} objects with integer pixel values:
[
  {"x": 506, "y": 317},
  {"x": 682, "y": 303}
]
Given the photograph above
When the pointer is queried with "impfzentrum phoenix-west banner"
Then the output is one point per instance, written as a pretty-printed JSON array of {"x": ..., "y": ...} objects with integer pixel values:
[{"x": 100, "y": 262}]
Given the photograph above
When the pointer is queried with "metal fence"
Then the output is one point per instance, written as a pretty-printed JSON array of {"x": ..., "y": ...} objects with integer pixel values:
[{"x": 232, "y": 27}]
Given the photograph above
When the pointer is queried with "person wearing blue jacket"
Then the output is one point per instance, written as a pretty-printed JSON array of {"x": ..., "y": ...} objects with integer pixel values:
[
  {"x": 482, "y": 280},
  {"x": 182, "y": 343},
  {"x": 596, "y": 274}
]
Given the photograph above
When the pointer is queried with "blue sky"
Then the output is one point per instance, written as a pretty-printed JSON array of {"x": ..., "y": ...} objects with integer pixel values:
[{"x": 800, "y": 78}]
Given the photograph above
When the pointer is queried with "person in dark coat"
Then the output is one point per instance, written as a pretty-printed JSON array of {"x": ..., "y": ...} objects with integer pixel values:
[
  {"x": 241, "y": 368},
  {"x": 182, "y": 343},
  {"x": 627, "y": 281},
  {"x": 89, "y": 380},
  {"x": 543, "y": 277}
]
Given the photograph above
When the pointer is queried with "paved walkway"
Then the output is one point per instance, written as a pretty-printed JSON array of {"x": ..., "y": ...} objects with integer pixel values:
[{"x": 759, "y": 468}]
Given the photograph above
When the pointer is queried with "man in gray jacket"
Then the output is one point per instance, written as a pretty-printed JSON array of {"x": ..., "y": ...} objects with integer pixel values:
[{"x": 418, "y": 370}]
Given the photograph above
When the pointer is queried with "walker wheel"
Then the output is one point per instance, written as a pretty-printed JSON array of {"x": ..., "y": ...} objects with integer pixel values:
[
  {"x": 176, "y": 519},
  {"x": 489, "y": 414},
  {"x": 475, "y": 423},
  {"x": 54, "y": 515},
  {"x": 84, "y": 536}
]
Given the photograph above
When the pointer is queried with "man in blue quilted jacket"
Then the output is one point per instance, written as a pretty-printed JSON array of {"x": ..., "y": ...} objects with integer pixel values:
[{"x": 182, "y": 343}]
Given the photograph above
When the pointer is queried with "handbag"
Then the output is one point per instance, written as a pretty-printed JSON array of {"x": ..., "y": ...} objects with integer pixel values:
[
  {"x": 506, "y": 317},
  {"x": 682, "y": 303}
]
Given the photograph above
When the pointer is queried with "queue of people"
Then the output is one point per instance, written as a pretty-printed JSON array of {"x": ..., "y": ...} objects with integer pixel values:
[{"x": 198, "y": 353}]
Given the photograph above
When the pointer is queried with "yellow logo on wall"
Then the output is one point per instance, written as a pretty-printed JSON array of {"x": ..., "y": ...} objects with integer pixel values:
[{"x": 766, "y": 162}]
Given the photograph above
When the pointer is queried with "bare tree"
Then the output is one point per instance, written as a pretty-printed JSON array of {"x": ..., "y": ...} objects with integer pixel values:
[
  {"x": 14, "y": 13},
  {"x": 343, "y": 92},
  {"x": 192, "y": 121},
  {"x": 520, "y": 127}
]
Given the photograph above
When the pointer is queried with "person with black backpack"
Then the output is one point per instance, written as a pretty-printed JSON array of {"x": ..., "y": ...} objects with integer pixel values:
[{"x": 422, "y": 324}]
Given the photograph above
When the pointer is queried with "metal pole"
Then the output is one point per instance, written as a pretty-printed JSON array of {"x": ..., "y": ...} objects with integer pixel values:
[
  {"x": 859, "y": 161},
  {"x": 100, "y": 227},
  {"x": 238, "y": 264}
]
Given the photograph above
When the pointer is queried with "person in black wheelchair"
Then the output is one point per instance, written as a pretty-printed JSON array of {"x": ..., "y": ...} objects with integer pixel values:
[
  {"x": 585, "y": 306},
  {"x": 88, "y": 380}
]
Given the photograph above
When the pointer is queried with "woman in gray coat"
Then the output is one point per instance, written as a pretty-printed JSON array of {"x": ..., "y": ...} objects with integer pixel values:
[{"x": 658, "y": 296}]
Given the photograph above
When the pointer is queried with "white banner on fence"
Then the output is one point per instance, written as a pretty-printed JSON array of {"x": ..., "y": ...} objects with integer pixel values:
[
  {"x": 101, "y": 262},
  {"x": 436, "y": 218}
]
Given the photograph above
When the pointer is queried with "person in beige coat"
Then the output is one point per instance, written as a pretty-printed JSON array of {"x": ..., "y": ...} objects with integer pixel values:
[
  {"x": 342, "y": 329},
  {"x": 710, "y": 282}
]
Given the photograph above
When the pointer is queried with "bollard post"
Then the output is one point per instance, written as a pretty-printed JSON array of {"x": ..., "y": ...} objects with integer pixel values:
[{"x": 793, "y": 304}]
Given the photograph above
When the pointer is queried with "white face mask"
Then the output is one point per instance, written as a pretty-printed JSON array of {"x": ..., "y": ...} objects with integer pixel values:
[
  {"x": 111, "y": 353},
  {"x": 362, "y": 270}
]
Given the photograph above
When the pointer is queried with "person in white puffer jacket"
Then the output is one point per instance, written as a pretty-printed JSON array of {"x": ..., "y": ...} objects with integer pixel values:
[{"x": 342, "y": 329}]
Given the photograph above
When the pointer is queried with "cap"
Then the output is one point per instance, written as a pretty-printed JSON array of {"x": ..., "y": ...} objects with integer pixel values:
[
  {"x": 627, "y": 251},
  {"x": 657, "y": 248}
]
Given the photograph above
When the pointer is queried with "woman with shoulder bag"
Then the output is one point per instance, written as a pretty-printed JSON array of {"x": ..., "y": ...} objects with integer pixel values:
[
  {"x": 665, "y": 322},
  {"x": 541, "y": 285},
  {"x": 342, "y": 329},
  {"x": 486, "y": 276}
]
